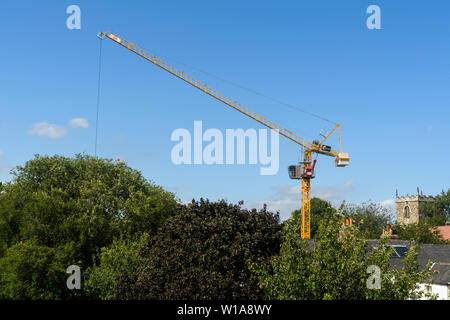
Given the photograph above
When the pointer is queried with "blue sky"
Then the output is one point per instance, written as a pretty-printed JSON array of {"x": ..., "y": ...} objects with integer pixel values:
[{"x": 388, "y": 88}]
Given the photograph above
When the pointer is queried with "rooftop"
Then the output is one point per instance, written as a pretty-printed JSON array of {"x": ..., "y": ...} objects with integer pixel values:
[
  {"x": 438, "y": 254},
  {"x": 445, "y": 231}
]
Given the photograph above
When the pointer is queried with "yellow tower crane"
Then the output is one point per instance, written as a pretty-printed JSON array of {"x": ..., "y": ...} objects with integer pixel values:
[{"x": 304, "y": 171}]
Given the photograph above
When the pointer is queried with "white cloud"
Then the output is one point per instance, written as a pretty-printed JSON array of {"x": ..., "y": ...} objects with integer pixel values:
[
  {"x": 51, "y": 131},
  {"x": 389, "y": 205},
  {"x": 79, "y": 122},
  {"x": 287, "y": 198},
  {"x": 335, "y": 193},
  {"x": 2, "y": 153}
]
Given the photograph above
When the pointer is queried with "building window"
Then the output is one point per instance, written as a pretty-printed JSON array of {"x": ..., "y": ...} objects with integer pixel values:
[
  {"x": 406, "y": 212},
  {"x": 428, "y": 289}
]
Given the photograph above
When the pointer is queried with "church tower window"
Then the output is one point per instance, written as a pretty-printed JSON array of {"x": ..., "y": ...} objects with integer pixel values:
[{"x": 406, "y": 210}]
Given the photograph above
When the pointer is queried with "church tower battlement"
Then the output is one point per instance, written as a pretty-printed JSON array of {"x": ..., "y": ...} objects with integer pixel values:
[{"x": 408, "y": 207}]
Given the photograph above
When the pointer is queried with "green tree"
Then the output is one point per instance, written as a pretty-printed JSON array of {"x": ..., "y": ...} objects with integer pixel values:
[
  {"x": 320, "y": 209},
  {"x": 370, "y": 217},
  {"x": 437, "y": 213},
  {"x": 335, "y": 267},
  {"x": 202, "y": 253},
  {"x": 422, "y": 232},
  {"x": 71, "y": 208},
  {"x": 32, "y": 271},
  {"x": 121, "y": 258},
  {"x": 443, "y": 203}
]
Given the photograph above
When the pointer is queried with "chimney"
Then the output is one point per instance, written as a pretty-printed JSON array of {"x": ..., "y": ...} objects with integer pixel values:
[
  {"x": 390, "y": 232},
  {"x": 347, "y": 222}
]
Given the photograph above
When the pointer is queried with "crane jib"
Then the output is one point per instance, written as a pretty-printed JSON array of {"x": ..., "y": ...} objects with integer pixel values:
[
  {"x": 305, "y": 171},
  {"x": 217, "y": 95}
]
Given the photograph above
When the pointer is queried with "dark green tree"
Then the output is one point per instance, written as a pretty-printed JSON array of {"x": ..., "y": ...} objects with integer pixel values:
[{"x": 203, "y": 253}]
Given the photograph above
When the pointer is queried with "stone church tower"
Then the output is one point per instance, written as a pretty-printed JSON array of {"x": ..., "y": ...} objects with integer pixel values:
[{"x": 408, "y": 207}]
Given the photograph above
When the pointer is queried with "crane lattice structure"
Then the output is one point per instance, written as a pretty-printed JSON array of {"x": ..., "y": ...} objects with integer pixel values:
[{"x": 304, "y": 171}]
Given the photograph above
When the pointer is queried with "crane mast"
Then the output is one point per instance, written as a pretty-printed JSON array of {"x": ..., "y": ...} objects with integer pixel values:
[{"x": 302, "y": 172}]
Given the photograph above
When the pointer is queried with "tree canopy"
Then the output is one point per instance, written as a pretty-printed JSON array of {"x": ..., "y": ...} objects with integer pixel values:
[
  {"x": 335, "y": 266},
  {"x": 437, "y": 213},
  {"x": 60, "y": 211},
  {"x": 134, "y": 240},
  {"x": 203, "y": 253},
  {"x": 320, "y": 209},
  {"x": 370, "y": 217},
  {"x": 422, "y": 232}
]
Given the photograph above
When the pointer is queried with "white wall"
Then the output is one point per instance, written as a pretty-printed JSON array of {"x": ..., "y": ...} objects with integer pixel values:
[{"x": 442, "y": 291}]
